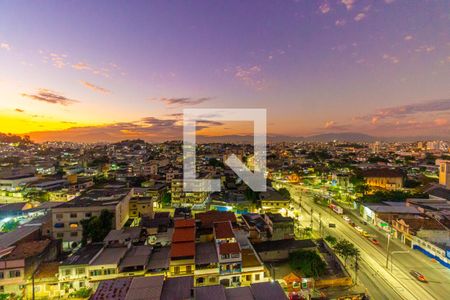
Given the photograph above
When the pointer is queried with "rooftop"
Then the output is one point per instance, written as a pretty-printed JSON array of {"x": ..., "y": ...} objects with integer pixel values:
[
  {"x": 159, "y": 259},
  {"x": 27, "y": 249},
  {"x": 184, "y": 223},
  {"x": 10, "y": 238},
  {"x": 267, "y": 291},
  {"x": 207, "y": 219},
  {"x": 229, "y": 248},
  {"x": 137, "y": 256},
  {"x": 205, "y": 253},
  {"x": 84, "y": 255},
  {"x": 98, "y": 197},
  {"x": 145, "y": 288},
  {"x": 216, "y": 292},
  {"x": 223, "y": 230},
  {"x": 177, "y": 288},
  {"x": 110, "y": 256},
  {"x": 183, "y": 234},
  {"x": 115, "y": 289},
  {"x": 183, "y": 249}
]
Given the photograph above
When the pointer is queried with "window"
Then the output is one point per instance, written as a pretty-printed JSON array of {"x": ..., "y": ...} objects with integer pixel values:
[
  {"x": 74, "y": 234},
  {"x": 81, "y": 284},
  {"x": 67, "y": 272},
  {"x": 188, "y": 269},
  {"x": 81, "y": 271},
  {"x": 110, "y": 271},
  {"x": 212, "y": 279},
  {"x": 59, "y": 216},
  {"x": 96, "y": 272},
  {"x": 257, "y": 277},
  {"x": 14, "y": 273},
  {"x": 73, "y": 215},
  {"x": 88, "y": 215},
  {"x": 73, "y": 225},
  {"x": 1, "y": 275},
  {"x": 200, "y": 280},
  {"x": 60, "y": 235},
  {"x": 176, "y": 270},
  {"x": 248, "y": 277}
]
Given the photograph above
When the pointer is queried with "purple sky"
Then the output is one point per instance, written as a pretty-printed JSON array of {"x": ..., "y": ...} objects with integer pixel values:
[{"x": 378, "y": 67}]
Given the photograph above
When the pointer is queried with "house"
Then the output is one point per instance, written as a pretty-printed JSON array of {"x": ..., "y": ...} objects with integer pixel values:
[
  {"x": 388, "y": 179},
  {"x": 67, "y": 217},
  {"x": 19, "y": 262},
  {"x": 272, "y": 201},
  {"x": 279, "y": 227},
  {"x": 182, "y": 256},
  {"x": 206, "y": 220},
  {"x": 206, "y": 264}
]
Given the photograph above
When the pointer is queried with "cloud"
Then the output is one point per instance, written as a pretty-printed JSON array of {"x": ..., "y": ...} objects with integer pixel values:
[
  {"x": 360, "y": 17},
  {"x": 441, "y": 122},
  {"x": 5, "y": 46},
  {"x": 324, "y": 8},
  {"x": 58, "y": 60},
  {"x": 348, "y": 3},
  {"x": 19, "y": 110},
  {"x": 332, "y": 125},
  {"x": 149, "y": 128},
  {"x": 81, "y": 66},
  {"x": 425, "y": 49},
  {"x": 391, "y": 58},
  {"x": 408, "y": 37},
  {"x": 94, "y": 87},
  {"x": 184, "y": 101},
  {"x": 49, "y": 96},
  {"x": 396, "y": 112},
  {"x": 250, "y": 76},
  {"x": 340, "y": 22}
]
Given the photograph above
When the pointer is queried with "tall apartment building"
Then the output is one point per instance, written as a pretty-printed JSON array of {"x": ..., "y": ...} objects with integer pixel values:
[
  {"x": 66, "y": 218},
  {"x": 444, "y": 173}
]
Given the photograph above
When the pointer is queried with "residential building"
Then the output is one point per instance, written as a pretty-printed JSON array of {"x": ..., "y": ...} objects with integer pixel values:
[{"x": 182, "y": 255}]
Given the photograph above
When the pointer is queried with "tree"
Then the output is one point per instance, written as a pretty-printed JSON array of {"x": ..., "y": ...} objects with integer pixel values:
[
  {"x": 345, "y": 249},
  {"x": 251, "y": 195},
  {"x": 96, "y": 228},
  {"x": 284, "y": 192},
  {"x": 308, "y": 262},
  {"x": 11, "y": 225},
  {"x": 331, "y": 239},
  {"x": 166, "y": 198}
]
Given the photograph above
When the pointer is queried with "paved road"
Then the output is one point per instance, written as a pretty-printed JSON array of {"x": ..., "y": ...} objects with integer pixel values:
[{"x": 383, "y": 283}]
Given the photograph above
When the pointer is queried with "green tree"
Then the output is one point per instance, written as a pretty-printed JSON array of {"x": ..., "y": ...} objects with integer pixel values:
[
  {"x": 96, "y": 228},
  {"x": 345, "y": 249},
  {"x": 250, "y": 195},
  {"x": 331, "y": 239},
  {"x": 166, "y": 198},
  {"x": 308, "y": 262},
  {"x": 285, "y": 193},
  {"x": 11, "y": 225}
]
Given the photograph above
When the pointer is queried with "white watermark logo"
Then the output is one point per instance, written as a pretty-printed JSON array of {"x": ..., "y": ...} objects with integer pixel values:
[{"x": 255, "y": 180}]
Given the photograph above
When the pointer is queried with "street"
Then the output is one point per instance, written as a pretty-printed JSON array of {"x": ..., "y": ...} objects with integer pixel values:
[{"x": 381, "y": 283}]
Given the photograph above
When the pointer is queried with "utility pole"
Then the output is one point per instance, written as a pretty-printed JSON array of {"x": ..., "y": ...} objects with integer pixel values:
[
  {"x": 387, "y": 251},
  {"x": 356, "y": 269},
  {"x": 320, "y": 225}
]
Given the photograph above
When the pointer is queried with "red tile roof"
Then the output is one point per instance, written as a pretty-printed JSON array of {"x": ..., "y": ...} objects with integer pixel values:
[
  {"x": 183, "y": 235},
  {"x": 184, "y": 223},
  {"x": 208, "y": 218},
  {"x": 223, "y": 230},
  {"x": 182, "y": 249},
  {"x": 28, "y": 249},
  {"x": 229, "y": 248}
]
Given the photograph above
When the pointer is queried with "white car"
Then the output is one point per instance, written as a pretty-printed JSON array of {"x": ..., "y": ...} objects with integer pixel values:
[
  {"x": 346, "y": 219},
  {"x": 359, "y": 229}
]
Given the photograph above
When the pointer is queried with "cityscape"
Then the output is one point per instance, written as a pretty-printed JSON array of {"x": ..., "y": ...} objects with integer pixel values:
[{"x": 225, "y": 150}]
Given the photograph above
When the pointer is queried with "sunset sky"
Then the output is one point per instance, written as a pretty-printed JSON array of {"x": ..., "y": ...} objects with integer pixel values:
[{"x": 110, "y": 70}]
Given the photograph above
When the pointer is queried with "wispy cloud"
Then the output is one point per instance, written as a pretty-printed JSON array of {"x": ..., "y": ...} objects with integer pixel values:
[
  {"x": 359, "y": 17},
  {"x": 5, "y": 46},
  {"x": 324, "y": 8},
  {"x": 181, "y": 101},
  {"x": 408, "y": 37},
  {"x": 333, "y": 125},
  {"x": 94, "y": 87},
  {"x": 396, "y": 112},
  {"x": 19, "y": 110},
  {"x": 250, "y": 76},
  {"x": 390, "y": 58},
  {"x": 425, "y": 49},
  {"x": 81, "y": 66},
  {"x": 49, "y": 96},
  {"x": 340, "y": 22},
  {"x": 348, "y": 3}
]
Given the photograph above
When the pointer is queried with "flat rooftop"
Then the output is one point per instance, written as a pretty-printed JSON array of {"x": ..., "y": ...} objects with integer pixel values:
[{"x": 98, "y": 197}]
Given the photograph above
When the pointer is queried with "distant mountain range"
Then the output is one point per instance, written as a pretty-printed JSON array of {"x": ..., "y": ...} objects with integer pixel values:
[{"x": 352, "y": 137}]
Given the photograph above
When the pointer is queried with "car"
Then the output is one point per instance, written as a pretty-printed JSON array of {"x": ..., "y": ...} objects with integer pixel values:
[
  {"x": 365, "y": 234},
  {"x": 352, "y": 224},
  {"x": 346, "y": 219},
  {"x": 332, "y": 225},
  {"x": 359, "y": 229},
  {"x": 418, "y": 276},
  {"x": 374, "y": 241}
]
